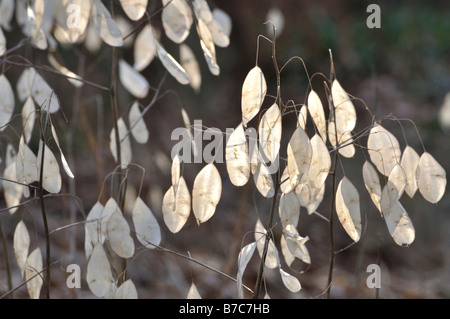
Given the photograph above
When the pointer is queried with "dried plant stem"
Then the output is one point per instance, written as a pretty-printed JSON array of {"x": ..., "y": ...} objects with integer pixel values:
[
  {"x": 331, "y": 218},
  {"x": 5, "y": 251},
  {"x": 115, "y": 113},
  {"x": 333, "y": 198},
  {"x": 277, "y": 179},
  {"x": 266, "y": 243},
  {"x": 47, "y": 275}
]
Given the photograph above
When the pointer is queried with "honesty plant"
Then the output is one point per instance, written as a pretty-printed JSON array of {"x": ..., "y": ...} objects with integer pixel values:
[
  {"x": 291, "y": 175},
  {"x": 299, "y": 178}
]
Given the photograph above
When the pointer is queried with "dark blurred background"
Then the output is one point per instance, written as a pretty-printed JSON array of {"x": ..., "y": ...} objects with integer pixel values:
[{"x": 402, "y": 69}]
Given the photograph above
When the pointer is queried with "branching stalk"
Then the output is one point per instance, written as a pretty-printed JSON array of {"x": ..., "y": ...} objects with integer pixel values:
[
  {"x": 331, "y": 218},
  {"x": 5, "y": 250},
  {"x": 266, "y": 243},
  {"x": 42, "y": 204},
  {"x": 277, "y": 180}
]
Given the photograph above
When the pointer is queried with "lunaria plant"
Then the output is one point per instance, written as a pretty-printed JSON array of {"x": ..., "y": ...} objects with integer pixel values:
[{"x": 291, "y": 176}]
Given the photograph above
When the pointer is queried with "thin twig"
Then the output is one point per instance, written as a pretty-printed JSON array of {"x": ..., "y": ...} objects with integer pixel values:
[
  {"x": 51, "y": 70},
  {"x": 43, "y": 131},
  {"x": 5, "y": 251}
]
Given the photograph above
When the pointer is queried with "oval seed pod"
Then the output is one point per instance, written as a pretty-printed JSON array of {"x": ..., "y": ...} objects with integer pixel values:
[
  {"x": 345, "y": 140},
  {"x": 344, "y": 110},
  {"x": 253, "y": 92},
  {"x": 289, "y": 209},
  {"x": 145, "y": 224},
  {"x": 12, "y": 191},
  {"x": 347, "y": 208},
  {"x": 290, "y": 282},
  {"x": 272, "y": 258},
  {"x": 244, "y": 257},
  {"x": 134, "y": 9},
  {"x": 288, "y": 257},
  {"x": 21, "y": 245},
  {"x": 372, "y": 184},
  {"x": 43, "y": 95},
  {"x": 132, "y": 80},
  {"x": 410, "y": 162},
  {"x": 316, "y": 111},
  {"x": 206, "y": 193},
  {"x": 63, "y": 158},
  {"x": 23, "y": 85},
  {"x": 110, "y": 208},
  {"x": 190, "y": 64},
  {"x": 105, "y": 25},
  {"x": 125, "y": 145},
  {"x": 6, "y": 14},
  {"x": 219, "y": 35},
  {"x": 92, "y": 229},
  {"x": 33, "y": 273},
  {"x": 299, "y": 155},
  {"x": 270, "y": 133},
  {"x": 302, "y": 117},
  {"x": 285, "y": 183},
  {"x": 27, "y": 164},
  {"x": 127, "y": 290},
  {"x": 202, "y": 10},
  {"x": 28, "y": 118},
  {"x": 397, "y": 179},
  {"x": 320, "y": 164},
  {"x": 263, "y": 180},
  {"x": 208, "y": 46},
  {"x": 176, "y": 19},
  {"x": 51, "y": 179},
  {"x": 171, "y": 65},
  {"x": 99, "y": 276},
  {"x": 399, "y": 224},
  {"x": 384, "y": 149},
  {"x": 316, "y": 200},
  {"x": 144, "y": 48},
  {"x": 7, "y": 102},
  {"x": 431, "y": 178},
  {"x": 237, "y": 157},
  {"x": 223, "y": 19},
  {"x": 176, "y": 206},
  {"x": 118, "y": 233},
  {"x": 137, "y": 125},
  {"x": 296, "y": 243}
]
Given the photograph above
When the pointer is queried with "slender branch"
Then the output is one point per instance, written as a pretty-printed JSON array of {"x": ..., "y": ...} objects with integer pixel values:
[
  {"x": 113, "y": 98},
  {"x": 51, "y": 70},
  {"x": 331, "y": 218},
  {"x": 5, "y": 251},
  {"x": 41, "y": 201},
  {"x": 333, "y": 196},
  {"x": 277, "y": 180},
  {"x": 266, "y": 243}
]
